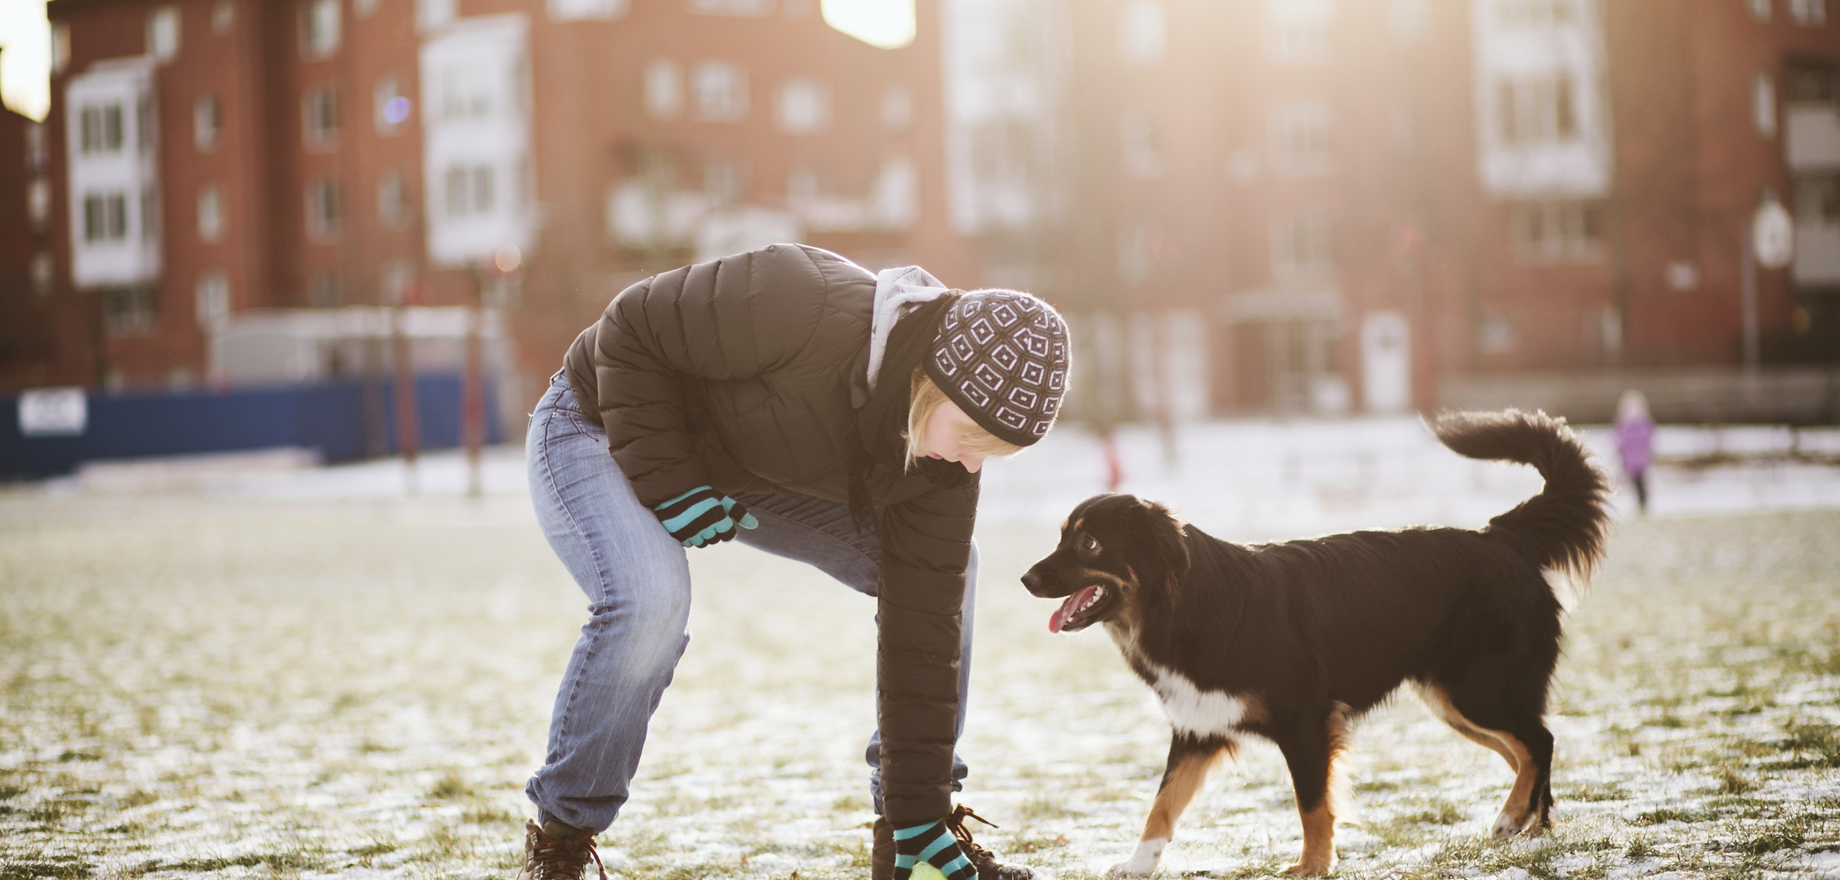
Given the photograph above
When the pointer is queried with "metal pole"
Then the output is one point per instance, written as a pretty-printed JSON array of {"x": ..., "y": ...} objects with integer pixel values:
[
  {"x": 1749, "y": 297},
  {"x": 472, "y": 425},
  {"x": 408, "y": 426}
]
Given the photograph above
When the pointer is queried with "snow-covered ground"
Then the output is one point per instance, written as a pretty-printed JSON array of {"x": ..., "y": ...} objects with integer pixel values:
[{"x": 245, "y": 668}]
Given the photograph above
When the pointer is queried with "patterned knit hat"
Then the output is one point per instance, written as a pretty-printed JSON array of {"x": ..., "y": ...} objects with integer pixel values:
[{"x": 1002, "y": 356}]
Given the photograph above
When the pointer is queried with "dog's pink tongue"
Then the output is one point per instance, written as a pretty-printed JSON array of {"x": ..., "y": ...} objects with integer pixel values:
[{"x": 1059, "y": 618}]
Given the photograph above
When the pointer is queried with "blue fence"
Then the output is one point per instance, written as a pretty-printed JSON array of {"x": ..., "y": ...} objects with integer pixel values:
[{"x": 331, "y": 418}]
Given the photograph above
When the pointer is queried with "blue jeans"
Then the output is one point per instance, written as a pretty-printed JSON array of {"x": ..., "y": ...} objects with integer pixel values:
[{"x": 637, "y": 579}]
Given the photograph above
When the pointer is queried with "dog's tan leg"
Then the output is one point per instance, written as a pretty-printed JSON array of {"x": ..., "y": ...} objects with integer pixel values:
[
  {"x": 1188, "y": 769},
  {"x": 1516, "y": 817},
  {"x": 1319, "y": 822}
]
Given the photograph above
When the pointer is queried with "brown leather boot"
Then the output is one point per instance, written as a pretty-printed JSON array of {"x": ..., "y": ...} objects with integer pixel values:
[
  {"x": 558, "y": 852},
  {"x": 988, "y": 868},
  {"x": 881, "y": 857}
]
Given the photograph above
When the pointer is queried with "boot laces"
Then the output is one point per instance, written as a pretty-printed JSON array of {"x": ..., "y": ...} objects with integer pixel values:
[
  {"x": 564, "y": 857},
  {"x": 978, "y": 855}
]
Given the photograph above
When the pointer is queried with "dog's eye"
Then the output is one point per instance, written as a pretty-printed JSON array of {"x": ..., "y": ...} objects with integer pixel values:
[{"x": 1090, "y": 545}]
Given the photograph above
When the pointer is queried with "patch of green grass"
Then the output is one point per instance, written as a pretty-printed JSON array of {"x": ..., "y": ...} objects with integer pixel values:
[
  {"x": 54, "y": 866},
  {"x": 487, "y": 816},
  {"x": 450, "y": 787},
  {"x": 1811, "y": 745},
  {"x": 1788, "y": 834},
  {"x": 139, "y": 798},
  {"x": 1039, "y": 807},
  {"x": 69, "y": 755},
  {"x": 1664, "y": 815},
  {"x": 8, "y": 792},
  {"x": 275, "y": 862},
  {"x": 1639, "y": 848},
  {"x": 1592, "y": 794},
  {"x": 1730, "y": 782}
]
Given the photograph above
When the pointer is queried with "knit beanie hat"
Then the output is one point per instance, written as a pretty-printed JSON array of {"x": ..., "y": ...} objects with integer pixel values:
[{"x": 1002, "y": 356}]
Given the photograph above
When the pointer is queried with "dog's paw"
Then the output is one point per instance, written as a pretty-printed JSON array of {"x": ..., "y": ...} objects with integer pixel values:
[
  {"x": 1309, "y": 868},
  {"x": 1143, "y": 862}
]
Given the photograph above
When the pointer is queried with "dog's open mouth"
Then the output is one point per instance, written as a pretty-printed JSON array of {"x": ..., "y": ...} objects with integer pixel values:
[{"x": 1074, "y": 613}]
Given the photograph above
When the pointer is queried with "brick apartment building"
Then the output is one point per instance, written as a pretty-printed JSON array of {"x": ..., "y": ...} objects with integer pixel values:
[
  {"x": 1356, "y": 199},
  {"x": 1282, "y": 205},
  {"x": 216, "y": 160}
]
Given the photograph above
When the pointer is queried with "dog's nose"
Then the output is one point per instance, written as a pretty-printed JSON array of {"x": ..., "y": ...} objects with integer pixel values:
[{"x": 1031, "y": 580}]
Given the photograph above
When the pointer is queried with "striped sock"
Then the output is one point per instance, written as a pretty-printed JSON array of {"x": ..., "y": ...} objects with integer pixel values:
[{"x": 933, "y": 844}]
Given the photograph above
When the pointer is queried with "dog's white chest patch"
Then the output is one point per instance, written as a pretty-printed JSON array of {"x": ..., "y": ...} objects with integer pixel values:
[{"x": 1193, "y": 710}]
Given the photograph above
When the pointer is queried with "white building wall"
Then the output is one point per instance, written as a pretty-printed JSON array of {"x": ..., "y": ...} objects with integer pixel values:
[
  {"x": 1530, "y": 40},
  {"x": 476, "y": 112},
  {"x": 121, "y": 162}
]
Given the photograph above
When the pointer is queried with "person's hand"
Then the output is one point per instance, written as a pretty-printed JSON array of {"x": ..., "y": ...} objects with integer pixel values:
[
  {"x": 701, "y": 517},
  {"x": 931, "y": 845}
]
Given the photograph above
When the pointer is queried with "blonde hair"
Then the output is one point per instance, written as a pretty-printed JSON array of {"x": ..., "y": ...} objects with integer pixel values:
[{"x": 924, "y": 396}]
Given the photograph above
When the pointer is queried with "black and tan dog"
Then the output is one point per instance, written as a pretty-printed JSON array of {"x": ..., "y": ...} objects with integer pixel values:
[{"x": 1291, "y": 641}]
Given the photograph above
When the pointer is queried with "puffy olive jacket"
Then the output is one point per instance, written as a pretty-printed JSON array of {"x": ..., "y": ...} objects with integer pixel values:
[{"x": 747, "y": 373}]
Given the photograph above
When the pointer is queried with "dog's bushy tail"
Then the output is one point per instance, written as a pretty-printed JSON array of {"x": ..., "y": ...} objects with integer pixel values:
[{"x": 1562, "y": 527}]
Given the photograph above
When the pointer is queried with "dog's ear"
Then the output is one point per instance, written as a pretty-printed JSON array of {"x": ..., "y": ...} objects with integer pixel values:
[{"x": 1164, "y": 537}]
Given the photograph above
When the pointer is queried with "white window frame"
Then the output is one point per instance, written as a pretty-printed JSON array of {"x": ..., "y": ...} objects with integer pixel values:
[
  {"x": 1808, "y": 13},
  {"x": 105, "y": 216},
  {"x": 469, "y": 190},
  {"x": 1143, "y": 33},
  {"x": 325, "y": 212},
  {"x": 719, "y": 90},
  {"x": 207, "y": 122},
  {"x": 1303, "y": 138},
  {"x": 1558, "y": 231},
  {"x": 319, "y": 28},
  {"x": 163, "y": 33},
  {"x": 319, "y": 117},
  {"x": 803, "y": 106},
  {"x": 103, "y": 127},
  {"x": 664, "y": 88},
  {"x": 586, "y": 10},
  {"x": 1535, "y": 110},
  {"x": 211, "y": 221},
  {"x": 1763, "y": 104},
  {"x": 212, "y": 294},
  {"x": 1302, "y": 248}
]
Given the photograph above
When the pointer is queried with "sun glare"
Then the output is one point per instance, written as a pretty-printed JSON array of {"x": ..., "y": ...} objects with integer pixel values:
[{"x": 888, "y": 24}]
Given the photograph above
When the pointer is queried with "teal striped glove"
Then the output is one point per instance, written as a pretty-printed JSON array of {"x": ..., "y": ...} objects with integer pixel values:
[
  {"x": 933, "y": 845},
  {"x": 700, "y": 517}
]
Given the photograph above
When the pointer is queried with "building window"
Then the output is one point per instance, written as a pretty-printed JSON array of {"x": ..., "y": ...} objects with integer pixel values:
[
  {"x": 319, "y": 28},
  {"x": 105, "y": 217},
  {"x": 207, "y": 122},
  {"x": 213, "y": 292},
  {"x": 129, "y": 312},
  {"x": 37, "y": 153},
  {"x": 1143, "y": 33},
  {"x": 43, "y": 269},
  {"x": 223, "y": 15},
  {"x": 897, "y": 109},
  {"x": 1536, "y": 110},
  {"x": 320, "y": 117},
  {"x": 721, "y": 91},
  {"x": 38, "y": 204},
  {"x": 60, "y": 46},
  {"x": 1763, "y": 104},
  {"x": 1555, "y": 232},
  {"x": 1142, "y": 142},
  {"x": 466, "y": 93},
  {"x": 1300, "y": 139},
  {"x": 163, "y": 33},
  {"x": 1809, "y": 83},
  {"x": 99, "y": 127},
  {"x": 664, "y": 89},
  {"x": 804, "y": 106},
  {"x": 392, "y": 106},
  {"x": 323, "y": 208},
  {"x": 469, "y": 190},
  {"x": 150, "y": 214},
  {"x": 210, "y": 214},
  {"x": 1810, "y": 13},
  {"x": 1533, "y": 13},
  {"x": 392, "y": 200},
  {"x": 1760, "y": 9},
  {"x": 143, "y": 124},
  {"x": 323, "y": 290},
  {"x": 1817, "y": 201},
  {"x": 364, "y": 8},
  {"x": 431, "y": 14},
  {"x": 586, "y": 10},
  {"x": 1301, "y": 249},
  {"x": 398, "y": 282},
  {"x": 1297, "y": 31},
  {"x": 724, "y": 181},
  {"x": 731, "y": 7}
]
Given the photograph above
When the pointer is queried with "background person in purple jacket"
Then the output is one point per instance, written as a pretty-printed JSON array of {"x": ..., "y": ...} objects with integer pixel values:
[{"x": 1635, "y": 441}]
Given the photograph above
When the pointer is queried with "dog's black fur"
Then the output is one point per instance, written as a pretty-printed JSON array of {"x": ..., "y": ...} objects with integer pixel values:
[{"x": 1290, "y": 641}]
